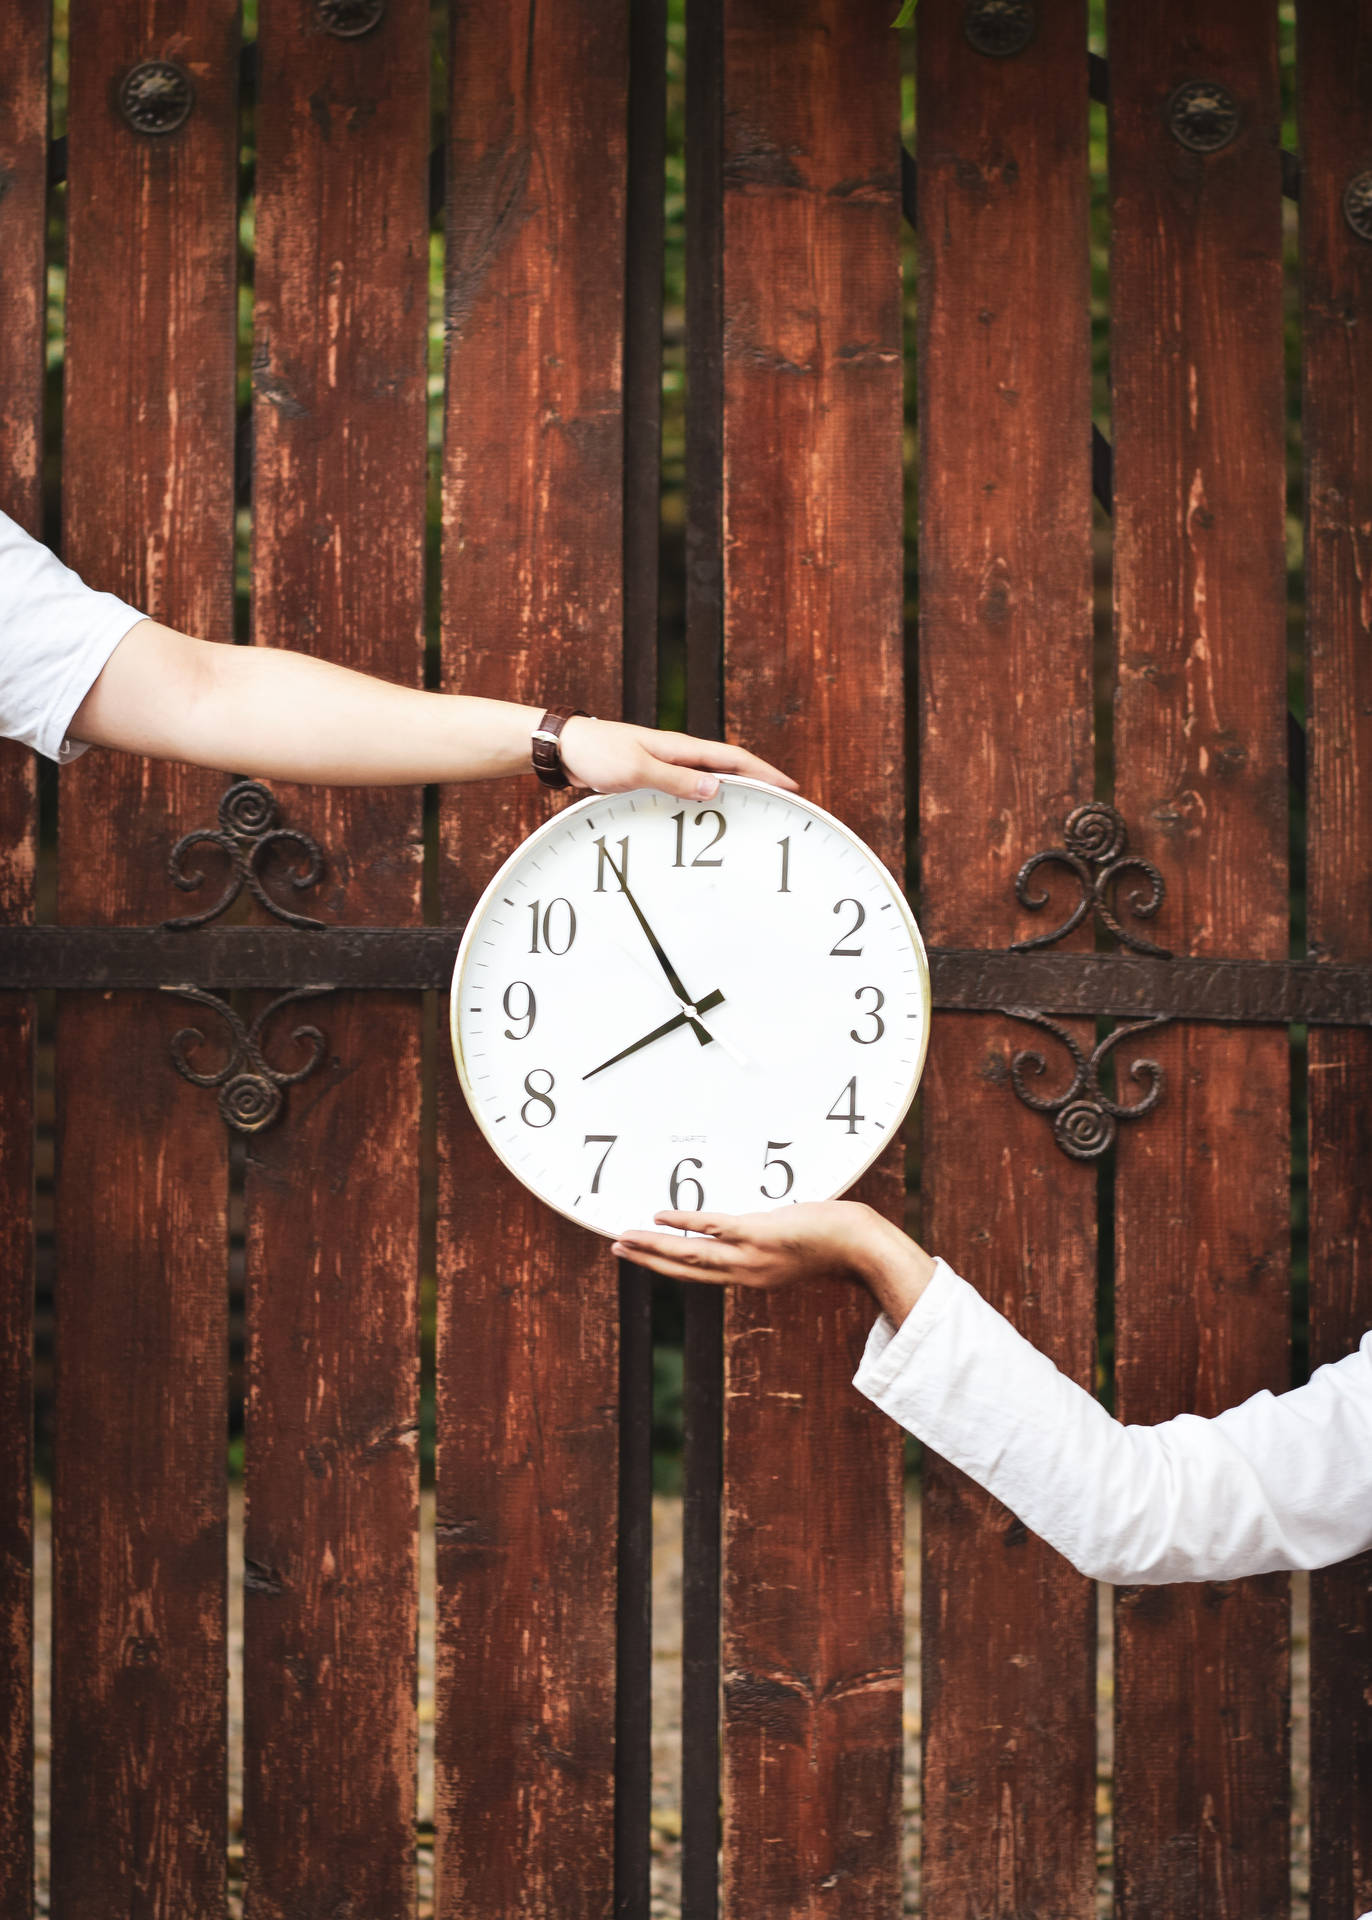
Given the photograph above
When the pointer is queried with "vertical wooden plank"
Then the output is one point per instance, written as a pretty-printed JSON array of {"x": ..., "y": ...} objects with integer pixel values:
[
  {"x": 645, "y": 154},
  {"x": 532, "y": 611},
  {"x": 703, "y": 1307},
  {"x": 1335, "y": 54},
  {"x": 812, "y": 679},
  {"x": 138, "y": 1787},
  {"x": 1005, "y": 754},
  {"x": 331, "y": 1532},
  {"x": 23, "y": 210},
  {"x": 1201, "y": 1768}
]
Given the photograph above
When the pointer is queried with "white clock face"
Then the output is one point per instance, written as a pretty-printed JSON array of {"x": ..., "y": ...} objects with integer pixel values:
[{"x": 741, "y": 1025}]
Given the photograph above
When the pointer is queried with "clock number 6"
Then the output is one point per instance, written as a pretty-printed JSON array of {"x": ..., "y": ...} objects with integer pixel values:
[
  {"x": 870, "y": 1013},
  {"x": 606, "y": 1140},
  {"x": 678, "y": 1182},
  {"x": 538, "y": 1097},
  {"x": 838, "y": 951},
  {"x": 774, "y": 1160},
  {"x": 850, "y": 1112},
  {"x": 526, "y": 1014}
]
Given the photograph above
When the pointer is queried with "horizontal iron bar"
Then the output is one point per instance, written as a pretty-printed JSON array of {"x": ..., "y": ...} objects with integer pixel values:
[
  {"x": 109, "y": 958},
  {"x": 1136, "y": 986},
  {"x": 406, "y": 959}
]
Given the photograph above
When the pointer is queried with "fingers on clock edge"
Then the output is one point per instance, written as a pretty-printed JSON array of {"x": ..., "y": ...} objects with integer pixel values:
[
  {"x": 717, "y": 1225},
  {"x": 722, "y": 758}
]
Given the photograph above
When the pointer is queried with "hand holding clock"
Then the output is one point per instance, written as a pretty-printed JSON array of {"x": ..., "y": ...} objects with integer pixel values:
[{"x": 824, "y": 1240}]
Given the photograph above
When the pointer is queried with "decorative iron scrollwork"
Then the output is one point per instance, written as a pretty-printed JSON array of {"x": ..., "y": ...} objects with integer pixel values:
[
  {"x": 349, "y": 19},
  {"x": 1085, "y": 1118},
  {"x": 1357, "y": 204},
  {"x": 156, "y": 96},
  {"x": 250, "y": 1096},
  {"x": 1096, "y": 840},
  {"x": 998, "y": 27},
  {"x": 1203, "y": 116},
  {"x": 246, "y": 834}
]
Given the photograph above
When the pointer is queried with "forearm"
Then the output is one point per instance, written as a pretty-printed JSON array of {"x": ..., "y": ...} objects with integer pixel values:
[
  {"x": 1273, "y": 1483},
  {"x": 287, "y": 716}
]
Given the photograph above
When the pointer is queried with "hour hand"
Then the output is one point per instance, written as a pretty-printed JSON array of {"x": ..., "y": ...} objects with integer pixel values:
[{"x": 711, "y": 1000}]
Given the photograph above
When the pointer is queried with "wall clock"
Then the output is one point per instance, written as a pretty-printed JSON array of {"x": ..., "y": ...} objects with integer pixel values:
[{"x": 663, "y": 1004}]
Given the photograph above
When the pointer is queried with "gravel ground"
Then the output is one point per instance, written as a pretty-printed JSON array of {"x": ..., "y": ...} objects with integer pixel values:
[{"x": 666, "y": 1816}]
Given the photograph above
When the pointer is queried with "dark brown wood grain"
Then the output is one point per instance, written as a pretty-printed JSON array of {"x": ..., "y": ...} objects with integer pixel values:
[
  {"x": 528, "y": 1304},
  {"x": 1201, "y": 1757},
  {"x": 138, "y": 1714},
  {"x": 1335, "y": 73},
  {"x": 332, "y": 1193},
  {"x": 1005, "y": 754},
  {"x": 23, "y": 177},
  {"x": 812, "y": 583}
]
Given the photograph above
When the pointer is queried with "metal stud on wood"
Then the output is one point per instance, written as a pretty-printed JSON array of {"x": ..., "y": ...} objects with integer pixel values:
[
  {"x": 1357, "y": 204},
  {"x": 1203, "y": 116},
  {"x": 999, "y": 28},
  {"x": 349, "y": 19},
  {"x": 156, "y": 96}
]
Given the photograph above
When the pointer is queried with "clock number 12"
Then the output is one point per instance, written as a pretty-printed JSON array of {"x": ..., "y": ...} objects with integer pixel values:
[{"x": 721, "y": 828}]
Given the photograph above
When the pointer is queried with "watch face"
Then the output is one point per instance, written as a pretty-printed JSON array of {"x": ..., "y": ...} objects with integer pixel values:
[{"x": 660, "y": 1004}]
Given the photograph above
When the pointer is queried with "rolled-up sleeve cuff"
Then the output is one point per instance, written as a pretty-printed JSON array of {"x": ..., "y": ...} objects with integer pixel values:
[
  {"x": 88, "y": 663},
  {"x": 890, "y": 1348}
]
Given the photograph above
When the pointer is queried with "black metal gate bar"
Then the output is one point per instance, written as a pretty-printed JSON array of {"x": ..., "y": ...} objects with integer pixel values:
[{"x": 400, "y": 959}]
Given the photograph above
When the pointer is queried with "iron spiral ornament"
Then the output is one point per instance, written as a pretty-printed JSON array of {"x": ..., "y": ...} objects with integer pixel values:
[
  {"x": 1095, "y": 850},
  {"x": 248, "y": 835},
  {"x": 1085, "y": 1118},
  {"x": 250, "y": 1088}
]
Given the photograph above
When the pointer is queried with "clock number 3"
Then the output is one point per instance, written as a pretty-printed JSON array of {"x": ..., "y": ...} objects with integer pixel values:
[
  {"x": 868, "y": 1013},
  {"x": 538, "y": 1097},
  {"x": 774, "y": 1160},
  {"x": 678, "y": 1181}
]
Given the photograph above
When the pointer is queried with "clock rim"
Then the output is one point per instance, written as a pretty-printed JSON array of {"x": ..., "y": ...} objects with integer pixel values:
[{"x": 554, "y": 823}]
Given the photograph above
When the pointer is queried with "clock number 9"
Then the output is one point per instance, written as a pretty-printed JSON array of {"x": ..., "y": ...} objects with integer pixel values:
[
  {"x": 678, "y": 1182},
  {"x": 547, "y": 924},
  {"x": 868, "y": 1013},
  {"x": 774, "y": 1160},
  {"x": 527, "y": 1013},
  {"x": 538, "y": 1097},
  {"x": 838, "y": 951}
]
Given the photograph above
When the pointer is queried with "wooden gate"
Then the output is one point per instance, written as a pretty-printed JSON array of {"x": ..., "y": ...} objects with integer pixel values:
[{"x": 1163, "y": 1195}]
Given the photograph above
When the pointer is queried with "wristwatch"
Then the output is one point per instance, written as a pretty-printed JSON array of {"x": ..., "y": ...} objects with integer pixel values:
[{"x": 547, "y": 745}]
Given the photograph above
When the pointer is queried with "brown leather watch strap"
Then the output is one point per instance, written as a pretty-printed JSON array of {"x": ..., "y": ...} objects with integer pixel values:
[{"x": 547, "y": 746}]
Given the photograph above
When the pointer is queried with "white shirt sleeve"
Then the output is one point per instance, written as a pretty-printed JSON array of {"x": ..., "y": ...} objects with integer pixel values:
[
  {"x": 56, "y": 634},
  {"x": 1281, "y": 1481}
]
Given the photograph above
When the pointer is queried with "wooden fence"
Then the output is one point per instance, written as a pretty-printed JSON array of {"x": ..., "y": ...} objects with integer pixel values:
[{"x": 551, "y": 206}]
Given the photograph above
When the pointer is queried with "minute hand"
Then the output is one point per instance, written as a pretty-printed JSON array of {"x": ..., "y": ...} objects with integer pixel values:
[
  {"x": 715, "y": 999},
  {"x": 672, "y": 975}
]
